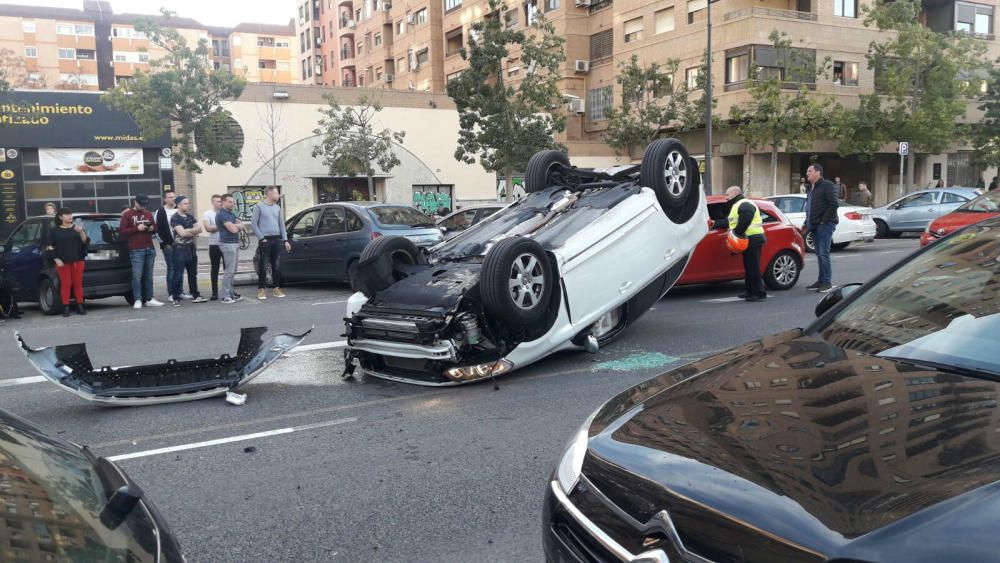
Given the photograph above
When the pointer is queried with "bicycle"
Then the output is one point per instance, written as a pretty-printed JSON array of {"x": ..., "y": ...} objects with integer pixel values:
[{"x": 244, "y": 235}]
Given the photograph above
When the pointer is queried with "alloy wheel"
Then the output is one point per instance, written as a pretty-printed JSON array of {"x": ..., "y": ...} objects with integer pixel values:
[
  {"x": 676, "y": 173},
  {"x": 527, "y": 281},
  {"x": 785, "y": 269}
]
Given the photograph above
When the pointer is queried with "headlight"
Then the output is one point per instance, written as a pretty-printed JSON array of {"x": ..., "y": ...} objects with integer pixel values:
[
  {"x": 571, "y": 464},
  {"x": 472, "y": 373}
]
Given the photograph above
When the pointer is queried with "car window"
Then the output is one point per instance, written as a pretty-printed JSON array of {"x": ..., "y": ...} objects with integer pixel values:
[
  {"x": 484, "y": 213},
  {"x": 460, "y": 221},
  {"x": 353, "y": 222},
  {"x": 915, "y": 200},
  {"x": 791, "y": 204},
  {"x": 989, "y": 203},
  {"x": 398, "y": 215},
  {"x": 101, "y": 231},
  {"x": 718, "y": 211},
  {"x": 949, "y": 197},
  {"x": 332, "y": 222},
  {"x": 28, "y": 235},
  {"x": 766, "y": 217},
  {"x": 305, "y": 224}
]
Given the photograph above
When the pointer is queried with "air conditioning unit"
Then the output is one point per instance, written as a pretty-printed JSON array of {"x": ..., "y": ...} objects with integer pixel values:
[
  {"x": 351, "y": 24},
  {"x": 583, "y": 3},
  {"x": 389, "y": 78},
  {"x": 411, "y": 19},
  {"x": 576, "y": 105},
  {"x": 582, "y": 66}
]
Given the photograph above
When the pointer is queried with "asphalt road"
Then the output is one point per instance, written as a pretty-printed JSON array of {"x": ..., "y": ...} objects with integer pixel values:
[{"x": 313, "y": 468}]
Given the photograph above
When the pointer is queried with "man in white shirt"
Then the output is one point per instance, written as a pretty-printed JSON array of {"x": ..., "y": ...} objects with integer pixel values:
[{"x": 214, "y": 252}]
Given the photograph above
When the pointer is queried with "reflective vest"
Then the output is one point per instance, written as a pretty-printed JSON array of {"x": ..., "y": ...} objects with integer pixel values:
[{"x": 756, "y": 225}]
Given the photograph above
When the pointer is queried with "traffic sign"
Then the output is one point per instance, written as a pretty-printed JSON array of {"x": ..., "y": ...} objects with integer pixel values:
[{"x": 904, "y": 148}]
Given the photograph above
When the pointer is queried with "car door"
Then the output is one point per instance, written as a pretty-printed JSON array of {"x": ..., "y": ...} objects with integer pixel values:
[
  {"x": 301, "y": 228},
  {"x": 327, "y": 249},
  {"x": 915, "y": 211},
  {"x": 485, "y": 212},
  {"x": 356, "y": 238},
  {"x": 458, "y": 222},
  {"x": 22, "y": 258}
]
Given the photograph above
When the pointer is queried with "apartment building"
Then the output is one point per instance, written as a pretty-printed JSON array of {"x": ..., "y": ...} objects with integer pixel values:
[
  {"x": 94, "y": 48},
  {"x": 414, "y": 44},
  {"x": 311, "y": 31}
]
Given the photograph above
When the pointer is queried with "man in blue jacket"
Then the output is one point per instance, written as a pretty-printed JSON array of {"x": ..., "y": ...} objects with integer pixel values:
[{"x": 821, "y": 219}]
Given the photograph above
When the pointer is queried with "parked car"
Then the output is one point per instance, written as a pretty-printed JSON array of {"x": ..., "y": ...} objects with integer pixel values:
[
  {"x": 912, "y": 213},
  {"x": 63, "y": 503},
  {"x": 868, "y": 436},
  {"x": 108, "y": 271},
  {"x": 327, "y": 240},
  {"x": 462, "y": 219},
  {"x": 856, "y": 224},
  {"x": 781, "y": 259},
  {"x": 567, "y": 267},
  {"x": 983, "y": 207}
]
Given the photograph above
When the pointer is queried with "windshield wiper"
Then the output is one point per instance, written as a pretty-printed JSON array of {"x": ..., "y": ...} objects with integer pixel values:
[{"x": 947, "y": 368}]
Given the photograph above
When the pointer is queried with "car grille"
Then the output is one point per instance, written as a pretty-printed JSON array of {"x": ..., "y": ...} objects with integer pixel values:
[
  {"x": 412, "y": 329},
  {"x": 408, "y": 368}
]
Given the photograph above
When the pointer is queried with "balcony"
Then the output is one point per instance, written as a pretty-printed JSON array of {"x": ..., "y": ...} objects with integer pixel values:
[
  {"x": 346, "y": 54},
  {"x": 769, "y": 13}
]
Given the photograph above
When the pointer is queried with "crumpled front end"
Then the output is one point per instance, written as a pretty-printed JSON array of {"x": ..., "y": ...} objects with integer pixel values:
[{"x": 69, "y": 367}]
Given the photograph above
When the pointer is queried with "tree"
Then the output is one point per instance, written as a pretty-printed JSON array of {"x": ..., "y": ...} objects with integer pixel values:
[
  {"x": 690, "y": 101},
  {"x": 182, "y": 93},
  {"x": 503, "y": 124},
  {"x": 924, "y": 82},
  {"x": 647, "y": 106},
  {"x": 776, "y": 116},
  {"x": 14, "y": 73},
  {"x": 269, "y": 116},
  {"x": 351, "y": 140},
  {"x": 986, "y": 134}
]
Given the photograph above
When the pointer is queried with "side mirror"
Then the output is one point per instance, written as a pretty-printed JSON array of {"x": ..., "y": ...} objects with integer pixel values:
[
  {"x": 830, "y": 300},
  {"x": 443, "y": 229}
]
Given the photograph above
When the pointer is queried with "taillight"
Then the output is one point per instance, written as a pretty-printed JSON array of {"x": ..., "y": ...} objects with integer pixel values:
[
  {"x": 852, "y": 216},
  {"x": 375, "y": 235}
]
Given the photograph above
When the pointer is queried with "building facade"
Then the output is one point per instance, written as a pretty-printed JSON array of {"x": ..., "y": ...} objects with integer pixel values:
[{"x": 93, "y": 49}]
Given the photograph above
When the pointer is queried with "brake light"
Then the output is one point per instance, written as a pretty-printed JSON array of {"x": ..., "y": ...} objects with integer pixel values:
[
  {"x": 852, "y": 216},
  {"x": 375, "y": 235}
]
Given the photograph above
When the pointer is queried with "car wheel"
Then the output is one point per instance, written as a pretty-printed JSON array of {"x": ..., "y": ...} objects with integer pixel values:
[
  {"x": 840, "y": 246},
  {"x": 882, "y": 230},
  {"x": 810, "y": 241},
  {"x": 673, "y": 175},
  {"x": 783, "y": 272},
  {"x": 538, "y": 174},
  {"x": 516, "y": 282},
  {"x": 352, "y": 272},
  {"x": 48, "y": 298}
]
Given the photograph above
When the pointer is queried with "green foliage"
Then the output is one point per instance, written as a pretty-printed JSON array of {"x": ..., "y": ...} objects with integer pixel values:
[
  {"x": 351, "y": 141},
  {"x": 986, "y": 134},
  {"x": 503, "y": 124},
  {"x": 690, "y": 101},
  {"x": 181, "y": 92}
]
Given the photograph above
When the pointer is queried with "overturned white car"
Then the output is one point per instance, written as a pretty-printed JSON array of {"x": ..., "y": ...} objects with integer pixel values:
[{"x": 580, "y": 258}]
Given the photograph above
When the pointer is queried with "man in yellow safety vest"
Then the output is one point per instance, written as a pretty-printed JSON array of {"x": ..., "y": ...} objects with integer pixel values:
[{"x": 745, "y": 222}]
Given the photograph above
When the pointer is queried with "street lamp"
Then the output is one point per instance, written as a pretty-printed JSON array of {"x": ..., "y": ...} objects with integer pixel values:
[{"x": 707, "y": 186}]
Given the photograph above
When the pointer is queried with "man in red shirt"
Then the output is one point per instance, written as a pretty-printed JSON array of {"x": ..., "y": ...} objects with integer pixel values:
[{"x": 137, "y": 226}]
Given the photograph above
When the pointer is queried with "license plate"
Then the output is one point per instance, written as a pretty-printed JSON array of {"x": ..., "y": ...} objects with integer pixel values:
[{"x": 103, "y": 255}]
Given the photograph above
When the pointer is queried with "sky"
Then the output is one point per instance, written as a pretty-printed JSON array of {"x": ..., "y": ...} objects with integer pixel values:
[{"x": 208, "y": 12}]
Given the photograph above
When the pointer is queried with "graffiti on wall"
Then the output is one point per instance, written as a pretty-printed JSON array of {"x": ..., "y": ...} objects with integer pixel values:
[
  {"x": 430, "y": 198},
  {"x": 246, "y": 197},
  {"x": 519, "y": 191}
]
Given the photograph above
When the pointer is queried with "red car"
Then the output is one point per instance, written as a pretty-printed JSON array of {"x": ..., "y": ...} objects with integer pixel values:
[
  {"x": 782, "y": 257},
  {"x": 979, "y": 209}
]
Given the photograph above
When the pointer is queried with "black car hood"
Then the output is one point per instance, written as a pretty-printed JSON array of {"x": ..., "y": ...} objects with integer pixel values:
[
  {"x": 837, "y": 453},
  {"x": 436, "y": 289}
]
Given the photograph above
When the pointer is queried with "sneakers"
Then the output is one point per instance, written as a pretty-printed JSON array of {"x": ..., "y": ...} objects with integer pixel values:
[
  {"x": 262, "y": 294},
  {"x": 237, "y": 297},
  {"x": 228, "y": 301},
  {"x": 199, "y": 299},
  {"x": 277, "y": 292},
  {"x": 187, "y": 296},
  {"x": 824, "y": 288},
  {"x": 813, "y": 287},
  {"x": 175, "y": 302},
  {"x": 153, "y": 303},
  {"x": 65, "y": 310},
  {"x": 137, "y": 304},
  {"x": 214, "y": 297}
]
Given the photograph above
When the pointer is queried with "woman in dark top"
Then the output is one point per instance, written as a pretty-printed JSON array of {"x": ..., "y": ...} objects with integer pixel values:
[{"x": 68, "y": 247}]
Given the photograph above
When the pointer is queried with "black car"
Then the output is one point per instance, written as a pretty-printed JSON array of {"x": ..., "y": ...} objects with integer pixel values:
[
  {"x": 32, "y": 276},
  {"x": 872, "y": 436},
  {"x": 59, "y": 502}
]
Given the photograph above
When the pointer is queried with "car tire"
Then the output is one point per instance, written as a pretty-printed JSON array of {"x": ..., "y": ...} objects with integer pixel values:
[
  {"x": 538, "y": 174},
  {"x": 840, "y": 246},
  {"x": 882, "y": 230},
  {"x": 673, "y": 175},
  {"x": 352, "y": 271},
  {"x": 783, "y": 271},
  {"x": 810, "y": 241},
  {"x": 401, "y": 249},
  {"x": 509, "y": 261},
  {"x": 49, "y": 300}
]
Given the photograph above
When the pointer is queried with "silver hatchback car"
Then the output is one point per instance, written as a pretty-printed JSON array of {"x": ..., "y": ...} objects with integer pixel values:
[{"x": 913, "y": 212}]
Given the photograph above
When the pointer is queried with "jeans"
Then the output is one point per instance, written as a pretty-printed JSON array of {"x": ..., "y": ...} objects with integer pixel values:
[
  {"x": 142, "y": 273},
  {"x": 215, "y": 258},
  {"x": 185, "y": 260},
  {"x": 824, "y": 238},
  {"x": 270, "y": 253},
  {"x": 230, "y": 256},
  {"x": 168, "y": 257},
  {"x": 71, "y": 281}
]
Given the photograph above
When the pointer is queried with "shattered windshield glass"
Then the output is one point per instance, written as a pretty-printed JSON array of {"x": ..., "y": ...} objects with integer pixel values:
[{"x": 942, "y": 307}]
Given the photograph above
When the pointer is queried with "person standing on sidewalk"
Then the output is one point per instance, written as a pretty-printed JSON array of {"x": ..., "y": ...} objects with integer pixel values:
[
  {"x": 165, "y": 233},
  {"x": 68, "y": 247},
  {"x": 229, "y": 243},
  {"x": 822, "y": 219},
  {"x": 267, "y": 222},
  {"x": 186, "y": 229},
  {"x": 137, "y": 227},
  {"x": 214, "y": 253}
]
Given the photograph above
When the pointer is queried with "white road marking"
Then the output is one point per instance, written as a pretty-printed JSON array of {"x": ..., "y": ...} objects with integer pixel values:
[
  {"x": 21, "y": 381},
  {"x": 318, "y": 346},
  {"x": 722, "y": 300},
  {"x": 231, "y": 439},
  {"x": 330, "y": 302}
]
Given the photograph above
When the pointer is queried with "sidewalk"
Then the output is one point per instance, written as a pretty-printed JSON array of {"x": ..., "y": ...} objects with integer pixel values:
[{"x": 245, "y": 274}]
